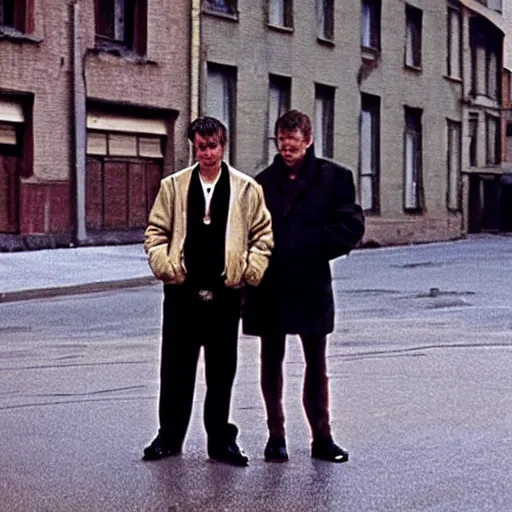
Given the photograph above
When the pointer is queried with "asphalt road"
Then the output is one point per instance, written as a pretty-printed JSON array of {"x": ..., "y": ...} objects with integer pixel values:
[{"x": 420, "y": 391}]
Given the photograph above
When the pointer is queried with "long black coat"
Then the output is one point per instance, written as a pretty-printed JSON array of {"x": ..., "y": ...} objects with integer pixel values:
[{"x": 314, "y": 220}]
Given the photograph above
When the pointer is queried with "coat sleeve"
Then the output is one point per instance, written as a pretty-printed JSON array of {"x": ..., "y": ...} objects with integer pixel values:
[
  {"x": 261, "y": 240},
  {"x": 345, "y": 224},
  {"x": 158, "y": 234}
]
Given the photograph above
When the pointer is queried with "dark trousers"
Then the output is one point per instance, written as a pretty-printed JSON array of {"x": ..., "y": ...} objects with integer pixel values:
[
  {"x": 315, "y": 396},
  {"x": 190, "y": 323}
]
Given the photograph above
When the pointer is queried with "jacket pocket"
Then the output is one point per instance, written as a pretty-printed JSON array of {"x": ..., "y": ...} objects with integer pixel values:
[
  {"x": 236, "y": 265},
  {"x": 160, "y": 264}
]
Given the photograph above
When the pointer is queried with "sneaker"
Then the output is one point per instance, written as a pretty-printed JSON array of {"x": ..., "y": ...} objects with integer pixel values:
[
  {"x": 329, "y": 451},
  {"x": 275, "y": 451}
]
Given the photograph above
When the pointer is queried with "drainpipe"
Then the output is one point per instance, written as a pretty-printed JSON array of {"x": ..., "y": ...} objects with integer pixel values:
[
  {"x": 79, "y": 119},
  {"x": 195, "y": 64}
]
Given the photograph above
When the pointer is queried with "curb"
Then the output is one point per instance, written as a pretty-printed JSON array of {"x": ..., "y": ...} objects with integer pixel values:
[{"x": 76, "y": 289}]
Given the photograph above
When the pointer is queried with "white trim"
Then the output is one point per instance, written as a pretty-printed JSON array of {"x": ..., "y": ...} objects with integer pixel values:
[{"x": 129, "y": 124}]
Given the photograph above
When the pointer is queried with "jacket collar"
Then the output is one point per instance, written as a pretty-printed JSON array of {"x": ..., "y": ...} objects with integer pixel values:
[{"x": 305, "y": 177}]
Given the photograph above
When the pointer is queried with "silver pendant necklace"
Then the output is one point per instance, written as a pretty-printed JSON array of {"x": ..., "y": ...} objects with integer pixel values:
[{"x": 206, "y": 218}]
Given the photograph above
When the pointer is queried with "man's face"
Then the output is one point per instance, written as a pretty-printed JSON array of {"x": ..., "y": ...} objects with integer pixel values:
[
  {"x": 292, "y": 146},
  {"x": 209, "y": 152}
]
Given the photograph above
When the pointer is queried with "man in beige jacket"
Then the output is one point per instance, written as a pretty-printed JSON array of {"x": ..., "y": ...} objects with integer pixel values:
[{"x": 209, "y": 234}]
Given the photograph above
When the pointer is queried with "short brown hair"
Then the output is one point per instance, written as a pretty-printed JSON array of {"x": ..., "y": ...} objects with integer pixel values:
[
  {"x": 294, "y": 120},
  {"x": 208, "y": 127}
]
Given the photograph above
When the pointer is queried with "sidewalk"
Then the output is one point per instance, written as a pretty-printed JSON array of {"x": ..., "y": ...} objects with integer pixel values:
[{"x": 47, "y": 273}]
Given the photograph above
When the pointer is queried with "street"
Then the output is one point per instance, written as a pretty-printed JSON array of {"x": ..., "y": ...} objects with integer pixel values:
[{"x": 420, "y": 382}]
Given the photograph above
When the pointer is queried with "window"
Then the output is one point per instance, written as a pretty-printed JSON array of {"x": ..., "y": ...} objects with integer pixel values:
[
  {"x": 221, "y": 101},
  {"x": 473, "y": 139},
  {"x": 369, "y": 144},
  {"x": 278, "y": 104},
  {"x": 491, "y": 85},
  {"x": 16, "y": 15},
  {"x": 324, "y": 121},
  {"x": 224, "y": 6},
  {"x": 370, "y": 24},
  {"x": 413, "y": 159},
  {"x": 454, "y": 164},
  {"x": 495, "y": 5},
  {"x": 122, "y": 24},
  {"x": 325, "y": 19},
  {"x": 486, "y": 50},
  {"x": 413, "y": 36},
  {"x": 493, "y": 140},
  {"x": 454, "y": 61},
  {"x": 280, "y": 13}
]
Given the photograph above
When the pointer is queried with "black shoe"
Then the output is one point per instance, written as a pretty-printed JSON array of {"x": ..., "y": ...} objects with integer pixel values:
[
  {"x": 328, "y": 450},
  {"x": 159, "y": 449},
  {"x": 228, "y": 453},
  {"x": 275, "y": 451}
]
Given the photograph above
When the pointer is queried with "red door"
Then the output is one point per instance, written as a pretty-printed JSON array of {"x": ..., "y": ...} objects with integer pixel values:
[
  {"x": 9, "y": 194},
  {"x": 120, "y": 193}
]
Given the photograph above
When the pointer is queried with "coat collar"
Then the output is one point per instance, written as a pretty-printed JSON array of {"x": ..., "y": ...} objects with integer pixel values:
[{"x": 305, "y": 177}]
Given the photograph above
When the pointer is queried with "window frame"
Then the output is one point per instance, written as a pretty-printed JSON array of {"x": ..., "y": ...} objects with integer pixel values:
[
  {"x": 371, "y": 22},
  {"x": 492, "y": 144},
  {"x": 134, "y": 26},
  {"x": 285, "y": 8},
  {"x": 473, "y": 126},
  {"x": 21, "y": 17},
  {"x": 325, "y": 20},
  {"x": 454, "y": 53},
  {"x": 413, "y": 37},
  {"x": 228, "y": 8},
  {"x": 370, "y": 104},
  {"x": 326, "y": 95},
  {"x": 413, "y": 133},
  {"x": 282, "y": 85},
  {"x": 229, "y": 84},
  {"x": 454, "y": 165}
]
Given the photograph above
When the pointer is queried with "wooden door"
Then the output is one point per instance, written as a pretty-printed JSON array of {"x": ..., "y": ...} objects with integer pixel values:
[{"x": 9, "y": 194}]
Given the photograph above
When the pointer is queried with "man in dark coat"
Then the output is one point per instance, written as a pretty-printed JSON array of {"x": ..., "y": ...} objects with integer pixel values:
[{"x": 314, "y": 219}]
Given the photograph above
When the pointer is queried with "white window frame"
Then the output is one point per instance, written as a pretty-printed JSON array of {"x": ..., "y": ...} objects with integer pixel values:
[
  {"x": 473, "y": 147},
  {"x": 453, "y": 157},
  {"x": 454, "y": 60},
  {"x": 492, "y": 124},
  {"x": 370, "y": 24},
  {"x": 221, "y": 101},
  {"x": 280, "y": 13},
  {"x": 413, "y": 160},
  {"x": 413, "y": 31},
  {"x": 325, "y": 19},
  {"x": 324, "y": 120},
  {"x": 369, "y": 145},
  {"x": 278, "y": 103}
]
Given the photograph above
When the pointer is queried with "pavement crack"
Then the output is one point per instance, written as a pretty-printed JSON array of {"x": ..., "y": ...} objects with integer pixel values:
[
  {"x": 88, "y": 393},
  {"x": 82, "y": 365},
  {"x": 416, "y": 350}
]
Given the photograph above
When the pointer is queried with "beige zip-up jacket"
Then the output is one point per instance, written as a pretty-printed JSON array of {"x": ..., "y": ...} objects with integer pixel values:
[{"x": 249, "y": 239}]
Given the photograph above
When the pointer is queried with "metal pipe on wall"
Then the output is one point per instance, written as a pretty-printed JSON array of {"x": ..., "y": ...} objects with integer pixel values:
[
  {"x": 79, "y": 119},
  {"x": 195, "y": 64}
]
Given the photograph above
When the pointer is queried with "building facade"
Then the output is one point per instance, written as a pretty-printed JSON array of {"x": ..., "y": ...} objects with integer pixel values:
[
  {"x": 406, "y": 94},
  {"x": 95, "y": 98},
  {"x": 94, "y": 104}
]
